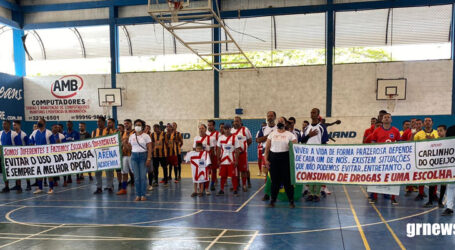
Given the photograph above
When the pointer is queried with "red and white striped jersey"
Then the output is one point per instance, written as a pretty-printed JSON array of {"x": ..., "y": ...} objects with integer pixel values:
[
  {"x": 204, "y": 140},
  {"x": 242, "y": 134},
  {"x": 228, "y": 146},
  {"x": 213, "y": 138}
]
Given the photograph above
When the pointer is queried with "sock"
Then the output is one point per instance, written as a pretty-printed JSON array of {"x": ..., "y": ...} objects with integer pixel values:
[
  {"x": 421, "y": 188},
  {"x": 124, "y": 184},
  {"x": 393, "y": 197},
  {"x": 223, "y": 182},
  {"x": 51, "y": 185},
  {"x": 235, "y": 183},
  {"x": 243, "y": 182},
  {"x": 40, "y": 184},
  {"x": 375, "y": 196}
]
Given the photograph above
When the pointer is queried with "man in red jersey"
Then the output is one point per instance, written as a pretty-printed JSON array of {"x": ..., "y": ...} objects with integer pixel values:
[
  {"x": 369, "y": 130},
  {"x": 385, "y": 133}
]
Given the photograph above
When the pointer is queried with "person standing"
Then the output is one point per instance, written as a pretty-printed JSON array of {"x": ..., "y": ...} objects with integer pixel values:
[
  {"x": 83, "y": 134},
  {"x": 141, "y": 157},
  {"x": 172, "y": 143},
  {"x": 20, "y": 140},
  {"x": 43, "y": 136},
  {"x": 179, "y": 151},
  {"x": 427, "y": 133},
  {"x": 199, "y": 160},
  {"x": 126, "y": 156},
  {"x": 277, "y": 161},
  {"x": 7, "y": 138},
  {"x": 244, "y": 137},
  {"x": 450, "y": 187},
  {"x": 159, "y": 149},
  {"x": 260, "y": 149},
  {"x": 262, "y": 138},
  {"x": 292, "y": 128},
  {"x": 213, "y": 138},
  {"x": 102, "y": 130},
  {"x": 315, "y": 133},
  {"x": 228, "y": 157},
  {"x": 369, "y": 130},
  {"x": 70, "y": 136},
  {"x": 442, "y": 130}
]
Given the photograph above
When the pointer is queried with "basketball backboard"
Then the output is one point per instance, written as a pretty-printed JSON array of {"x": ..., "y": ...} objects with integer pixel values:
[
  {"x": 110, "y": 97},
  {"x": 387, "y": 88}
]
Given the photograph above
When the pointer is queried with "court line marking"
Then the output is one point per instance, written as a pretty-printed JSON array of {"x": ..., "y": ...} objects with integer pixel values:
[
  {"x": 246, "y": 202},
  {"x": 30, "y": 236},
  {"x": 400, "y": 244},
  {"x": 359, "y": 227},
  {"x": 216, "y": 239},
  {"x": 251, "y": 240}
]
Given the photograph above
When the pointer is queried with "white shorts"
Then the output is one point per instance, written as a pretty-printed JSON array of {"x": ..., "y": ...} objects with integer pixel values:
[{"x": 126, "y": 164}]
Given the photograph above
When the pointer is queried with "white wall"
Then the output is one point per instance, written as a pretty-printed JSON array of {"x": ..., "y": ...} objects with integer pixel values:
[
  {"x": 67, "y": 15},
  {"x": 429, "y": 88}
]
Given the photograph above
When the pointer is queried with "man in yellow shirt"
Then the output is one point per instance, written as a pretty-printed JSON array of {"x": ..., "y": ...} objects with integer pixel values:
[{"x": 427, "y": 133}]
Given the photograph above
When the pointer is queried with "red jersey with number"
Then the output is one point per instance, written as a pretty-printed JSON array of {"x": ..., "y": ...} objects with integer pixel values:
[{"x": 381, "y": 135}]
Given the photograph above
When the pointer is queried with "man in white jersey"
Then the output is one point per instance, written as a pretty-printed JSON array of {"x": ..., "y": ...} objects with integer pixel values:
[
  {"x": 315, "y": 133},
  {"x": 20, "y": 140},
  {"x": 213, "y": 138},
  {"x": 228, "y": 157},
  {"x": 262, "y": 138},
  {"x": 245, "y": 139}
]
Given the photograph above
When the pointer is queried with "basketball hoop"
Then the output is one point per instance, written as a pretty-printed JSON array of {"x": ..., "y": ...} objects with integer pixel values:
[
  {"x": 107, "y": 108},
  {"x": 392, "y": 102},
  {"x": 174, "y": 7}
]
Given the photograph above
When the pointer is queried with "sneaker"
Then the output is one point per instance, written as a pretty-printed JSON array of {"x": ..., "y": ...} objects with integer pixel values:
[
  {"x": 236, "y": 193},
  {"x": 15, "y": 188},
  {"x": 394, "y": 201},
  {"x": 38, "y": 191},
  {"x": 28, "y": 188},
  {"x": 316, "y": 199},
  {"x": 51, "y": 191},
  {"x": 207, "y": 192},
  {"x": 121, "y": 192},
  {"x": 419, "y": 197},
  {"x": 305, "y": 193},
  {"x": 98, "y": 191},
  {"x": 200, "y": 194},
  {"x": 244, "y": 189},
  {"x": 440, "y": 205},
  {"x": 323, "y": 194},
  {"x": 428, "y": 204},
  {"x": 220, "y": 193},
  {"x": 137, "y": 198},
  {"x": 150, "y": 188},
  {"x": 309, "y": 198},
  {"x": 266, "y": 197},
  {"x": 5, "y": 190},
  {"x": 194, "y": 194},
  {"x": 446, "y": 212}
]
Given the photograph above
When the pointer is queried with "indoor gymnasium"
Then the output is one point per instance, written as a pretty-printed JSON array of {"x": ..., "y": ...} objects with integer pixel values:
[{"x": 227, "y": 124}]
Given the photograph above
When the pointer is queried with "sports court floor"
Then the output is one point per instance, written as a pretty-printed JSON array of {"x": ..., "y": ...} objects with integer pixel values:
[{"x": 170, "y": 219}]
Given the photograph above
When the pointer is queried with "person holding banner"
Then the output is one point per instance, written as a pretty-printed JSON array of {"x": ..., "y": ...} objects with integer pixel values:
[
  {"x": 103, "y": 131},
  {"x": 70, "y": 136},
  {"x": 84, "y": 134},
  {"x": 427, "y": 133},
  {"x": 277, "y": 161},
  {"x": 140, "y": 144},
  {"x": 43, "y": 136},
  {"x": 384, "y": 134},
  {"x": 7, "y": 138},
  {"x": 20, "y": 140},
  {"x": 200, "y": 162}
]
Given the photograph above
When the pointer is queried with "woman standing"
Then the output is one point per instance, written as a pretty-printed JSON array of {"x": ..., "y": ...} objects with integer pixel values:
[
  {"x": 277, "y": 161},
  {"x": 140, "y": 144}
]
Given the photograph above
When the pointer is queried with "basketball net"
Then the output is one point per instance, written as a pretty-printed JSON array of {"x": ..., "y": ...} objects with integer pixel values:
[
  {"x": 107, "y": 108},
  {"x": 174, "y": 7},
  {"x": 392, "y": 102}
]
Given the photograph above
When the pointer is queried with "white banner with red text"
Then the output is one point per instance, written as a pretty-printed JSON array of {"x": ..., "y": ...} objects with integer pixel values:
[
  {"x": 91, "y": 155},
  {"x": 402, "y": 163}
]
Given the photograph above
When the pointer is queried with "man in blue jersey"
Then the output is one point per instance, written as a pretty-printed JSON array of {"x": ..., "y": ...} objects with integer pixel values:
[
  {"x": 20, "y": 140},
  {"x": 43, "y": 136},
  {"x": 7, "y": 137},
  {"x": 70, "y": 136}
]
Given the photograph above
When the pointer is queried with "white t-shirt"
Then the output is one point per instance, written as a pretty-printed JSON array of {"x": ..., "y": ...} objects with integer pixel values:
[
  {"x": 322, "y": 136},
  {"x": 280, "y": 141},
  {"x": 213, "y": 138},
  {"x": 199, "y": 165},
  {"x": 242, "y": 134},
  {"x": 139, "y": 145},
  {"x": 228, "y": 146},
  {"x": 204, "y": 140}
]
